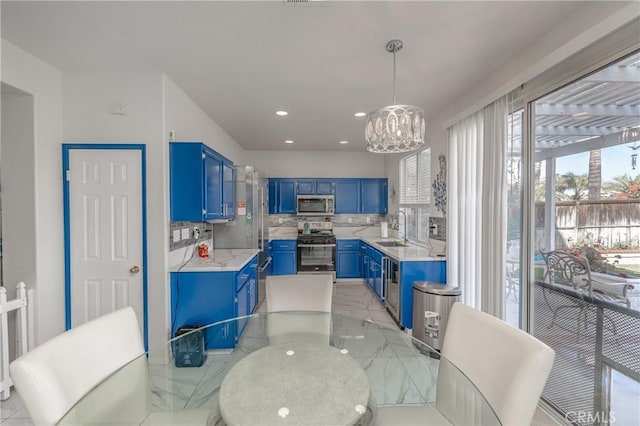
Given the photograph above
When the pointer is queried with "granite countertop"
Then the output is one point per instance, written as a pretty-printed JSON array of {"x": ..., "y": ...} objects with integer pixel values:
[{"x": 219, "y": 260}]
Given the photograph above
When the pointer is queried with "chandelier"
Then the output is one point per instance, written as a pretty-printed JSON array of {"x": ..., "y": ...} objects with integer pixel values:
[{"x": 395, "y": 128}]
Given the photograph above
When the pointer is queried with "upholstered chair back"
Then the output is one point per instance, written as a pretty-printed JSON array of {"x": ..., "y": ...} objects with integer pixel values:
[
  {"x": 508, "y": 366},
  {"x": 54, "y": 376}
]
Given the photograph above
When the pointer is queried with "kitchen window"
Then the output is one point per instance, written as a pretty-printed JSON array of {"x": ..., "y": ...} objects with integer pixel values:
[{"x": 415, "y": 195}]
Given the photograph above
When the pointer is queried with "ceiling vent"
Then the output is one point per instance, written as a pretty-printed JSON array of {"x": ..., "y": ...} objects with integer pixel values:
[{"x": 305, "y": 2}]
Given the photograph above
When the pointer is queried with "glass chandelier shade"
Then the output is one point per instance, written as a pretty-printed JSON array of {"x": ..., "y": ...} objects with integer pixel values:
[{"x": 395, "y": 128}]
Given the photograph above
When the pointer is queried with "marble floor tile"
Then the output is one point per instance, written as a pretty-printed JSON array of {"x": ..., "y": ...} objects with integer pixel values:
[
  {"x": 424, "y": 376},
  {"x": 390, "y": 383}
]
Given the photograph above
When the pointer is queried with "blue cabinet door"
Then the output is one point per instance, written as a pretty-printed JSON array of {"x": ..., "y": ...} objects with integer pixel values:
[
  {"x": 374, "y": 196},
  {"x": 242, "y": 309},
  {"x": 287, "y": 196},
  {"x": 348, "y": 264},
  {"x": 283, "y": 257},
  {"x": 201, "y": 298},
  {"x": 273, "y": 196},
  {"x": 283, "y": 263},
  {"x": 213, "y": 185},
  {"x": 347, "y": 196},
  {"x": 186, "y": 181},
  {"x": 324, "y": 187},
  {"x": 306, "y": 186},
  {"x": 228, "y": 189}
]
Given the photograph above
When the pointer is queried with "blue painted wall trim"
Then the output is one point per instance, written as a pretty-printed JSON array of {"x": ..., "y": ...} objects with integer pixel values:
[{"x": 67, "y": 244}]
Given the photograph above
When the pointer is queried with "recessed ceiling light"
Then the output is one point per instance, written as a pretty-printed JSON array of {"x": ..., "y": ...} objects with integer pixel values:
[
  {"x": 360, "y": 114},
  {"x": 343, "y": 142},
  {"x": 288, "y": 141},
  {"x": 282, "y": 113}
]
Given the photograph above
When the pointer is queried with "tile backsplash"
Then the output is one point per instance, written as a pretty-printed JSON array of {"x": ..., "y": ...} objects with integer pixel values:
[
  {"x": 441, "y": 227},
  {"x": 180, "y": 229},
  {"x": 338, "y": 220}
]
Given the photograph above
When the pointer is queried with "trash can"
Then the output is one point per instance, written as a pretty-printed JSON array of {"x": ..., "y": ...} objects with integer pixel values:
[
  {"x": 432, "y": 303},
  {"x": 189, "y": 351}
]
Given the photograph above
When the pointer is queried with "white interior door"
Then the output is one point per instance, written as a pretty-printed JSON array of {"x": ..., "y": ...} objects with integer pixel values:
[{"x": 105, "y": 212}]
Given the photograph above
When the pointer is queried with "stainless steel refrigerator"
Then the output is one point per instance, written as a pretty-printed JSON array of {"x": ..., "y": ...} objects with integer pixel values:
[{"x": 249, "y": 228}]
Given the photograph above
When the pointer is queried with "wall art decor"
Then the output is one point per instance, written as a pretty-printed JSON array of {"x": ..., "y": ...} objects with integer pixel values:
[{"x": 440, "y": 186}]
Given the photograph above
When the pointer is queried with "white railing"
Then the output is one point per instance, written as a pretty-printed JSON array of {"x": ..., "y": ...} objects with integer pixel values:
[{"x": 18, "y": 304}]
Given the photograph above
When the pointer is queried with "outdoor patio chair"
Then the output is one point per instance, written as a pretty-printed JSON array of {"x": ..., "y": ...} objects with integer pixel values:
[{"x": 565, "y": 269}]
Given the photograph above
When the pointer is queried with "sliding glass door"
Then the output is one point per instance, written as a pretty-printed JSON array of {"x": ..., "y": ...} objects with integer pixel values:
[{"x": 586, "y": 212}]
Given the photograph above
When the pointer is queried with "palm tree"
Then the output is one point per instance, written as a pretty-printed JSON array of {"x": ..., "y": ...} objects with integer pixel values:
[
  {"x": 595, "y": 174},
  {"x": 624, "y": 187},
  {"x": 570, "y": 186}
]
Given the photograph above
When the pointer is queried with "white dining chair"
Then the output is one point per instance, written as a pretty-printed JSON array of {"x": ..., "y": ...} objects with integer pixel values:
[
  {"x": 311, "y": 295},
  {"x": 507, "y": 365},
  {"x": 55, "y": 375},
  {"x": 299, "y": 293}
]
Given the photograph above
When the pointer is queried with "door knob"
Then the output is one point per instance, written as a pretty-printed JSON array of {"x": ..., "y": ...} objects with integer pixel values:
[{"x": 134, "y": 270}]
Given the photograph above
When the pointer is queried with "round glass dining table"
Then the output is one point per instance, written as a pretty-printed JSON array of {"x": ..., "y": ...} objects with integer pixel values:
[{"x": 288, "y": 368}]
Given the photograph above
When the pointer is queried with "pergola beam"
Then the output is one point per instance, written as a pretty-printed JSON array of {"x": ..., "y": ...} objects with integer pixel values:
[
  {"x": 586, "y": 146},
  {"x": 588, "y": 110},
  {"x": 620, "y": 74}
]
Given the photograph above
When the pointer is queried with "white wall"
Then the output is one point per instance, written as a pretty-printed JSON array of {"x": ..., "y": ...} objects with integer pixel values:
[
  {"x": 192, "y": 124},
  {"x": 42, "y": 224},
  {"x": 317, "y": 164},
  {"x": 87, "y": 97}
]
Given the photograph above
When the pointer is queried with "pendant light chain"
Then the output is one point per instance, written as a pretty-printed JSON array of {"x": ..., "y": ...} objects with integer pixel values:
[{"x": 394, "y": 77}]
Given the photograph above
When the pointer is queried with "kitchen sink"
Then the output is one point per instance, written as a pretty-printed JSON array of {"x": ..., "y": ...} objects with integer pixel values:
[{"x": 391, "y": 244}]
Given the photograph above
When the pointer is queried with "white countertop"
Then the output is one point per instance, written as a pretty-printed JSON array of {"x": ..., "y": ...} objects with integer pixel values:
[
  {"x": 411, "y": 253},
  {"x": 219, "y": 260},
  {"x": 370, "y": 235}
]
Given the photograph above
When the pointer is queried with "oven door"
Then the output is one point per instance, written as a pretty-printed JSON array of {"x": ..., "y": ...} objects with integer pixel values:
[{"x": 314, "y": 258}]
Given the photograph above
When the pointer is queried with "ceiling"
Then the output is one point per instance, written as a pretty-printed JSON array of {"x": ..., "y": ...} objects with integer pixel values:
[{"x": 320, "y": 61}]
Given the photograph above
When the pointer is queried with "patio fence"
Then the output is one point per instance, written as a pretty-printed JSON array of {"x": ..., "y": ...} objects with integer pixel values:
[
  {"x": 592, "y": 339},
  {"x": 609, "y": 222}
]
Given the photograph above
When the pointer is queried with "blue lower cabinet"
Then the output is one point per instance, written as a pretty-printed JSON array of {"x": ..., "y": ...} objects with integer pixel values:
[
  {"x": 283, "y": 257},
  {"x": 202, "y": 298},
  {"x": 435, "y": 272},
  {"x": 348, "y": 259}
]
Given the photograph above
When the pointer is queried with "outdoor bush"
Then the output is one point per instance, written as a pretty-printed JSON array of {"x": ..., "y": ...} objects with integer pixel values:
[{"x": 597, "y": 262}]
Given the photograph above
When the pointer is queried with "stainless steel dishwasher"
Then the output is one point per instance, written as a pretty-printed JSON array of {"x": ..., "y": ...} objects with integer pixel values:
[{"x": 392, "y": 278}]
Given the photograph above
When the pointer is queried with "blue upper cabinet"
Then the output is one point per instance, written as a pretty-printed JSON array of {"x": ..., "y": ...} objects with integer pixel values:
[
  {"x": 282, "y": 196},
  {"x": 347, "y": 196},
  {"x": 352, "y": 195},
  {"x": 373, "y": 193},
  {"x": 201, "y": 183},
  {"x": 315, "y": 186}
]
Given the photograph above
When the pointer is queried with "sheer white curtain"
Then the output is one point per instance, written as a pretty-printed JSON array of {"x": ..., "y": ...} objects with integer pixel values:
[{"x": 477, "y": 208}]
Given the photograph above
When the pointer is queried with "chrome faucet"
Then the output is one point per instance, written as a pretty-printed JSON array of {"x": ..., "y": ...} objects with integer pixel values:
[{"x": 404, "y": 232}]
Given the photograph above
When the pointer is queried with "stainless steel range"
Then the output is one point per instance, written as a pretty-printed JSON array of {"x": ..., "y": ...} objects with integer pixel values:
[{"x": 316, "y": 248}]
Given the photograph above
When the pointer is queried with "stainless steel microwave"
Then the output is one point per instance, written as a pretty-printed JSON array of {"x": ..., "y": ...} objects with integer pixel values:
[{"x": 314, "y": 205}]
